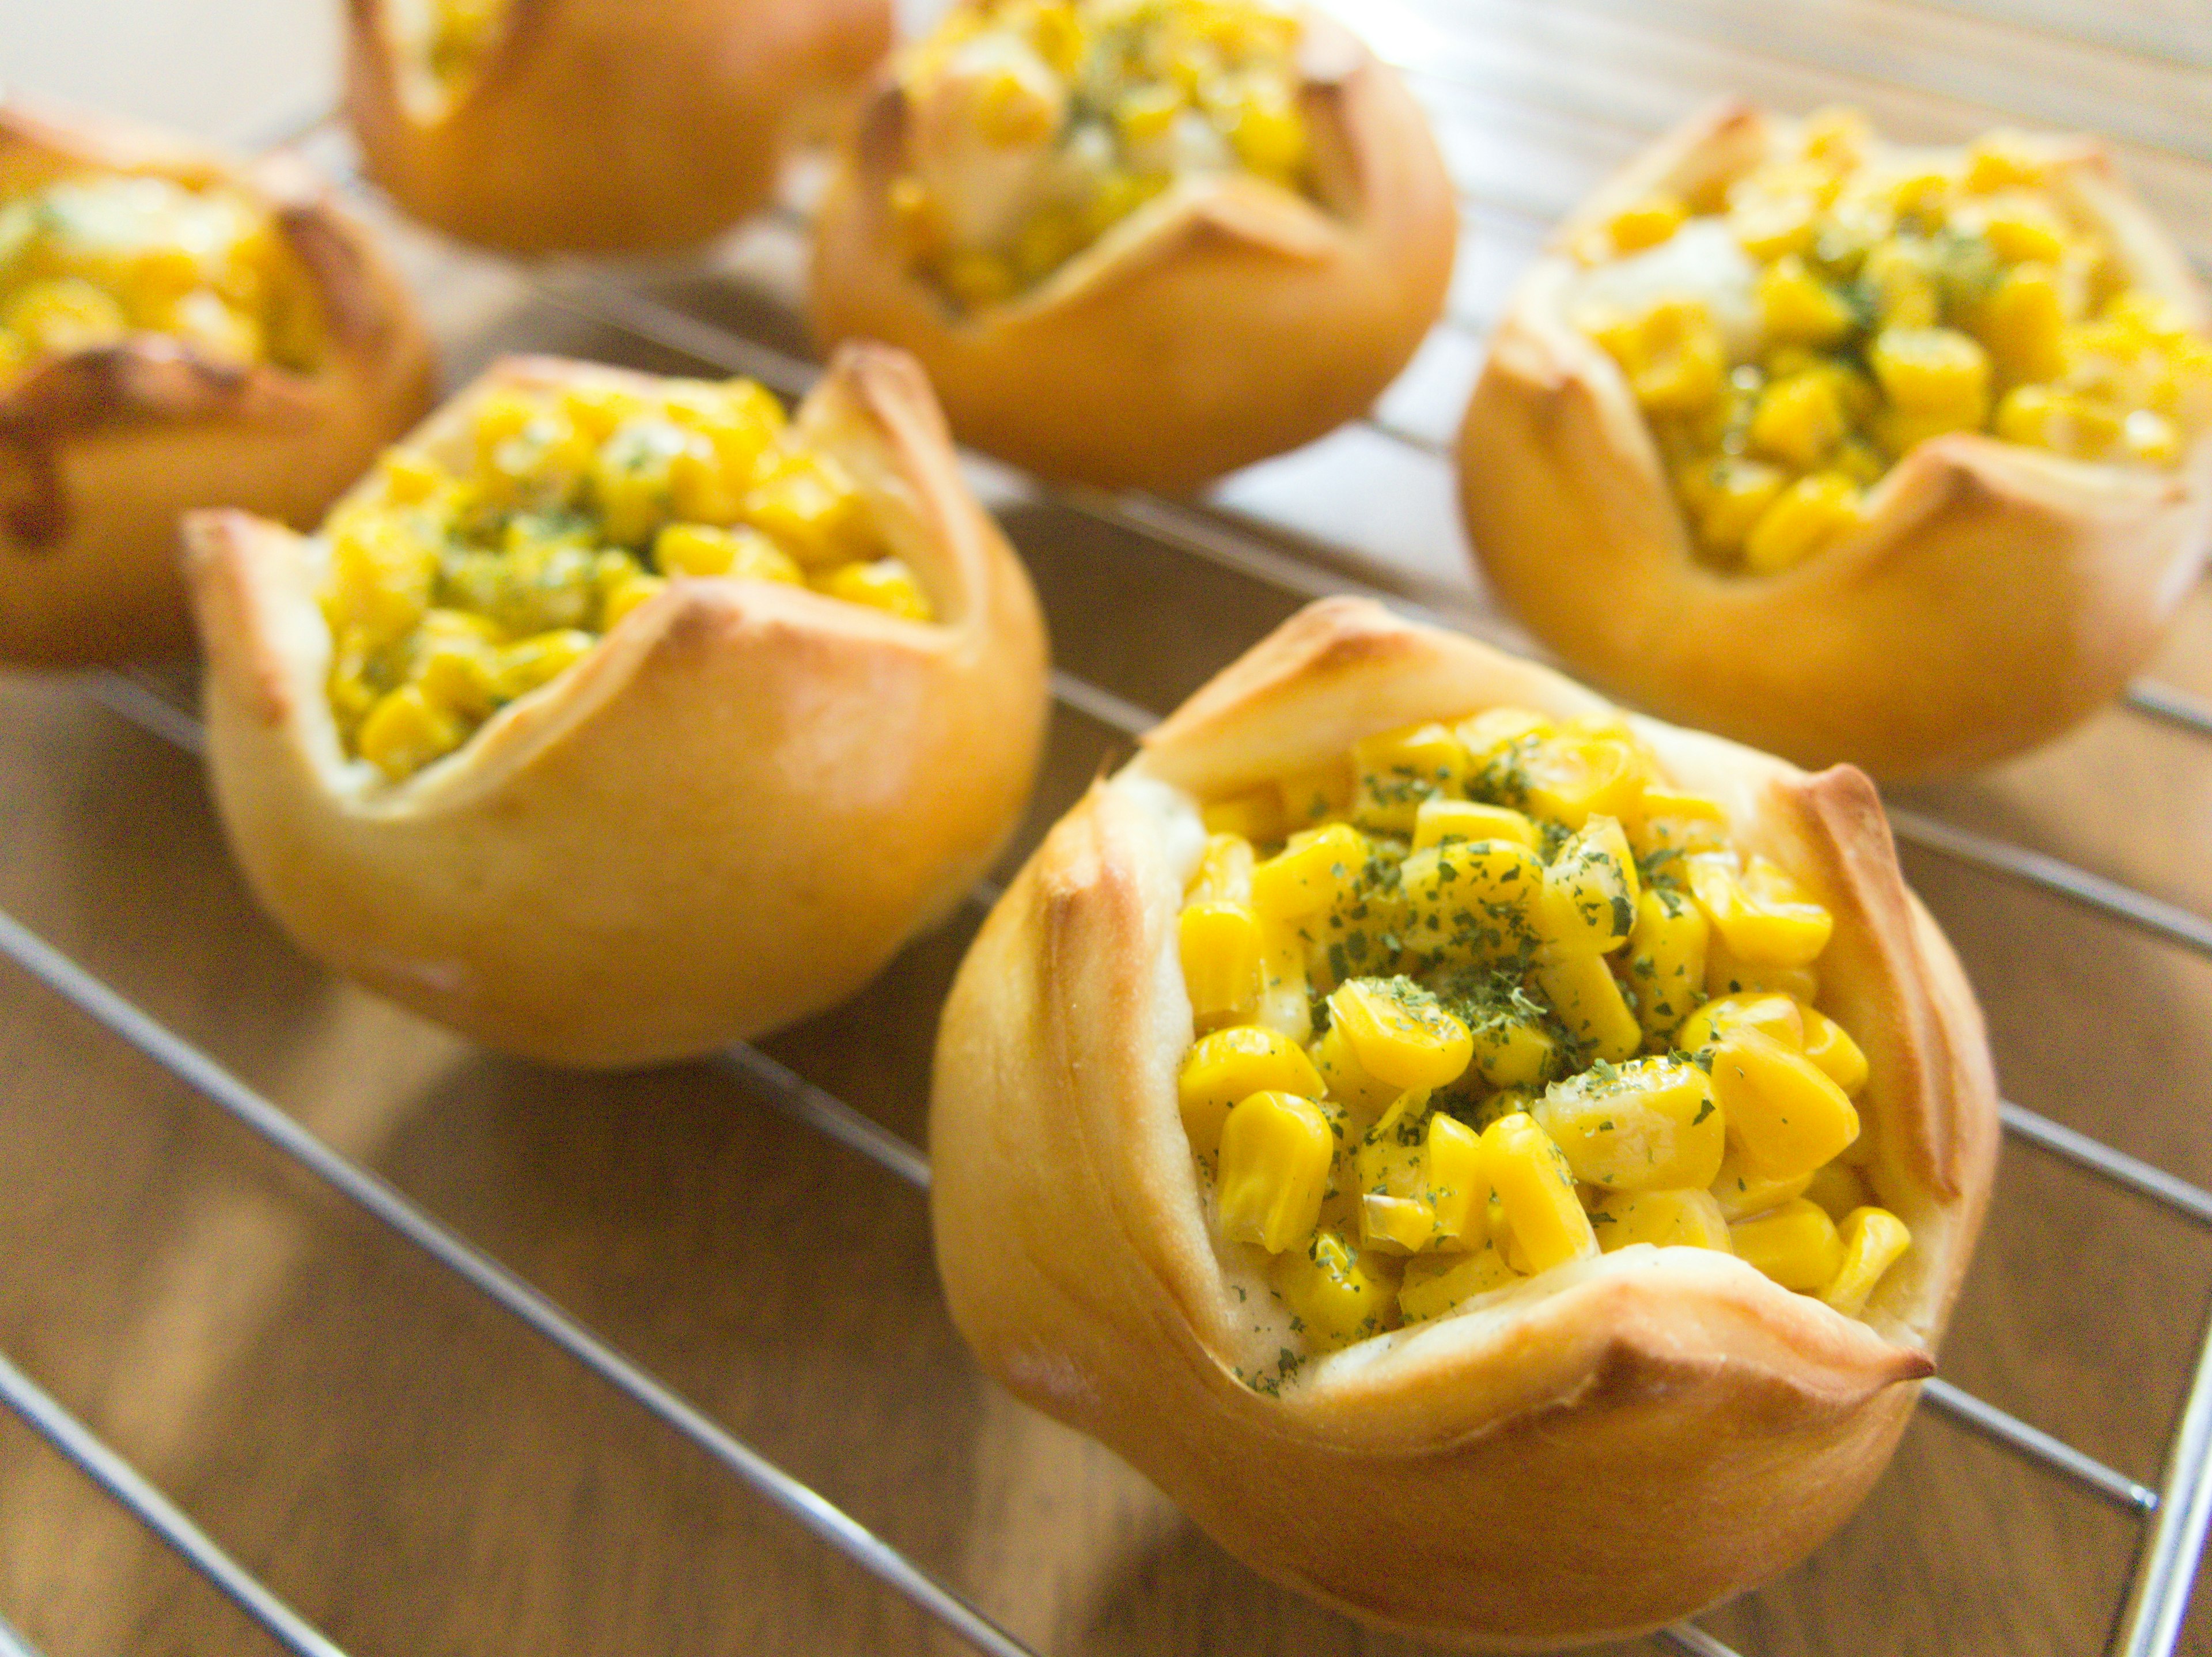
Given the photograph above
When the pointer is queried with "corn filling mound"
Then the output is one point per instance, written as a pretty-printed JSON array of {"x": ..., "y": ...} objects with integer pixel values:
[
  {"x": 1789, "y": 340},
  {"x": 91, "y": 260},
  {"x": 1037, "y": 125},
  {"x": 1488, "y": 997},
  {"x": 451, "y": 592}
]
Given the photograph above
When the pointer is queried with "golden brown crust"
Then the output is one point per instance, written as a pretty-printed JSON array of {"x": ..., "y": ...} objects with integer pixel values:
[
  {"x": 1225, "y": 321},
  {"x": 101, "y": 451},
  {"x": 1997, "y": 595},
  {"x": 1611, "y": 1446},
  {"x": 727, "y": 816},
  {"x": 603, "y": 125}
]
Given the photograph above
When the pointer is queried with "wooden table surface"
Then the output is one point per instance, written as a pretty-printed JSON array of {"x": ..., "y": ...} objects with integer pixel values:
[{"x": 417, "y": 1473}]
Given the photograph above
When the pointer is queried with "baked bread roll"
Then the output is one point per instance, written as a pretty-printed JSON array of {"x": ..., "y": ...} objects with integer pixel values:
[
  {"x": 596, "y": 126},
  {"x": 1140, "y": 246},
  {"x": 1850, "y": 450},
  {"x": 1423, "y": 1284},
  {"x": 611, "y": 719},
  {"x": 176, "y": 330}
]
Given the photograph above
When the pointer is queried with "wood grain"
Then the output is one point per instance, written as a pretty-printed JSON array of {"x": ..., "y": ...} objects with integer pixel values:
[{"x": 418, "y": 1474}]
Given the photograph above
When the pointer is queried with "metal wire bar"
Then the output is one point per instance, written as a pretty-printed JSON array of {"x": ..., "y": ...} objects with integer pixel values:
[
  {"x": 156, "y": 1512},
  {"x": 2009, "y": 1430},
  {"x": 122, "y": 695},
  {"x": 13, "y": 1644},
  {"x": 2177, "y": 707},
  {"x": 1689, "y": 1638},
  {"x": 2167, "y": 921},
  {"x": 800, "y": 1100},
  {"x": 2159, "y": 1602},
  {"x": 796, "y": 1500},
  {"x": 2116, "y": 1165}
]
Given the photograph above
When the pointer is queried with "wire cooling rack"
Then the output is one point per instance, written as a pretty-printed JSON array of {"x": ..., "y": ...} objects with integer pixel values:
[{"x": 1588, "y": 80}]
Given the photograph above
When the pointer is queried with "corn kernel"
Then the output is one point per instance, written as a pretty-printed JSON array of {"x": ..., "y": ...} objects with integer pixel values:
[
  {"x": 627, "y": 596},
  {"x": 1267, "y": 133},
  {"x": 1664, "y": 1219},
  {"x": 1398, "y": 770},
  {"x": 1399, "y": 1034},
  {"x": 1665, "y": 820},
  {"x": 1275, "y": 1152},
  {"x": 1536, "y": 1190},
  {"x": 1486, "y": 734},
  {"x": 1451, "y": 1173},
  {"x": 1838, "y": 136},
  {"x": 1471, "y": 902},
  {"x": 1796, "y": 1246},
  {"x": 1440, "y": 820},
  {"x": 1395, "y": 1213},
  {"x": 1829, "y": 1045},
  {"x": 1807, "y": 517},
  {"x": 2021, "y": 228},
  {"x": 1312, "y": 798},
  {"x": 1666, "y": 959},
  {"x": 1224, "y": 874},
  {"x": 701, "y": 549},
  {"x": 1726, "y": 496},
  {"x": 1444, "y": 1282},
  {"x": 1728, "y": 973},
  {"x": 1872, "y": 1240},
  {"x": 1799, "y": 419},
  {"x": 457, "y": 677},
  {"x": 1513, "y": 1049},
  {"x": 1571, "y": 777},
  {"x": 2148, "y": 438},
  {"x": 1773, "y": 226},
  {"x": 1256, "y": 814},
  {"x": 1219, "y": 945},
  {"x": 2022, "y": 323},
  {"x": 1307, "y": 877},
  {"x": 1800, "y": 308},
  {"x": 1228, "y": 1067},
  {"x": 380, "y": 577},
  {"x": 884, "y": 584},
  {"x": 2002, "y": 159},
  {"x": 1347, "y": 1080},
  {"x": 1743, "y": 1193},
  {"x": 2061, "y": 422},
  {"x": 1648, "y": 222},
  {"x": 1144, "y": 113},
  {"x": 1772, "y": 1015},
  {"x": 1783, "y": 1112},
  {"x": 1646, "y": 1126},
  {"x": 1838, "y": 1188},
  {"x": 1331, "y": 1292},
  {"x": 1933, "y": 374},
  {"x": 539, "y": 660},
  {"x": 410, "y": 477},
  {"x": 1763, "y": 914},
  {"x": 1018, "y": 105},
  {"x": 54, "y": 317},
  {"x": 1590, "y": 891},
  {"x": 405, "y": 732},
  {"x": 597, "y": 408},
  {"x": 814, "y": 509},
  {"x": 1587, "y": 998},
  {"x": 1901, "y": 276},
  {"x": 1672, "y": 354}
]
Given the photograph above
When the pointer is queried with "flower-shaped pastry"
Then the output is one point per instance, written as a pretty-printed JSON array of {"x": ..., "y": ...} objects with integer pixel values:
[
  {"x": 1496, "y": 1163},
  {"x": 612, "y": 718},
  {"x": 176, "y": 330},
  {"x": 1139, "y": 242},
  {"x": 1850, "y": 450}
]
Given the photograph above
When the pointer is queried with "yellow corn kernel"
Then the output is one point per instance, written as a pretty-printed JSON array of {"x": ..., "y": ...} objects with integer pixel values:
[
  {"x": 1336, "y": 1299},
  {"x": 2148, "y": 438},
  {"x": 380, "y": 576},
  {"x": 1838, "y": 1188},
  {"x": 410, "y": 477},
  {"x": 702, "y": 549},
  {"x": 1347, "y": 1080},
  {"x": 2020, "y": 228},
  {"x": 626, "y": 596},
  {"x": 1395, "y": 1213},
  {"x": 1935, "y": 373},
  {"x": 1726, "y": 496},
  {"x": 814, "y": 509},
  {"x": 1440, "y": 820},
  {"x": 1536, "y": 1192},
  {"x": 2003, "y": 159},
  {"x": 1924, "y": 190},
  {"x": 1763, "y": 914},
  {"x": 1772, "y": 226},
  {"x": 1144, "y": 113},
  {"x": 1651, "y": 1125},
  {"x": 1586, "y": 997},
  {"x": 1471, "y": 902},
  {"x": 1224, "y": 874},
  {"x": 405, "y": 732},
  {"x": 1284, "y": 1004},
  {"x": 1871, "y": 1240},
  {"x": 885, "y": 584},
  {"x": 1673, "y": 356},
  {"x": 1743, "y": 1193},
  {"x": 1398, "y": 770},
  {"x": 1220, "y": 949},
  {"x": 1451, "y": 1173},
  {"x": 1513, "y": 1049},
  {"x": 1648, "y": 222},
  {"x": 1664, "y": 1219},
  {"x": 1267, "y": 132},
  {"x": 1666, "y": 959},
  {"x": 1799, "y": 419},
  {"x": 1901, "y": 276},
  {"x": 1796, "y": 1246},
  {"x": 1829, "y": 1045},
  {"x": 1309, "y": 874},
  {"x": 1668, "y": 820},
  {"x": 1017, "y": 105},
  {"x": 1836, "y": 135},
  {"x": 631, "y": 478},
  {"x": 1590, "y": 891},
  {"x": 456, "y": 674},
  {"x": 1774, "y": 1016},
  {"x": 2060, "y": 420},
  {"x": 1399, "y": 1034},
  {"x": 1312, "y": 798},
  {"x": 1806, "y": 518},
  {"x": 2022, "y": 323},
  {"x": 54, "y": 317},
  {"x": 1486, "y": 735},
  {"x": 1228, "y": 1067},
  {"x": 1728, "y": 973},
  {"x": 1442, "y": 1282},
  {"x": 1275, "y": 1152},
  {"x": 1256, "y": 815},
  {"x": 1117, "y": 194},
  {"x": 1798, "y": 308},
  {"x": 597, "y": 408},
  {"x": 1571, "y": 777},
  {"x": 1783, "y": 1112},
  {"x": 527, "y": 663}
]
